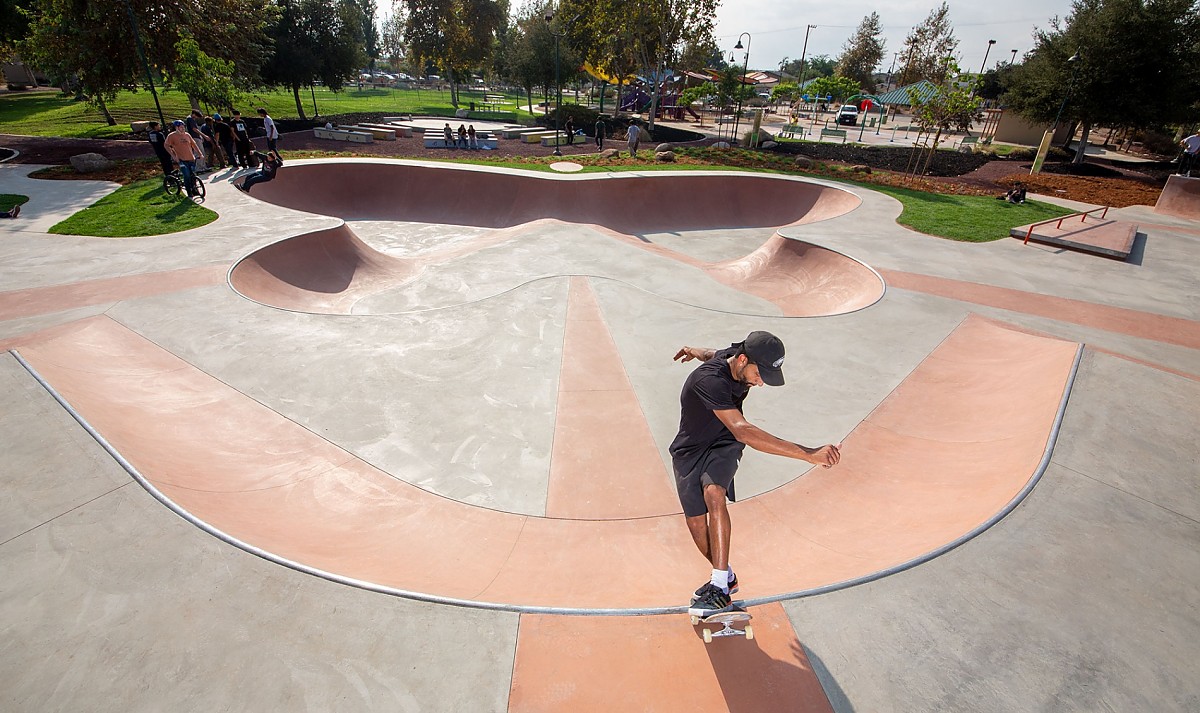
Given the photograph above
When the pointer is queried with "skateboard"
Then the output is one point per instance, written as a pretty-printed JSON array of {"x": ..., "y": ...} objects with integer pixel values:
[{"x": 725, "y": 619}]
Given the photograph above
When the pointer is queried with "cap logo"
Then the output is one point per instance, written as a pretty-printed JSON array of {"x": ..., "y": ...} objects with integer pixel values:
[{"x": 778, "y": 363}]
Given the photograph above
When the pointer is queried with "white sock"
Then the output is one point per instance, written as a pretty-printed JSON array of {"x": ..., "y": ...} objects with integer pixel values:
[
  {"x": 720, "y": 578},
  {"x": 732, "y": 576}
]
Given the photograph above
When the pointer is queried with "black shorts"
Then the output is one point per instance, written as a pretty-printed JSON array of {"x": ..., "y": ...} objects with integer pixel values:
[{"x": 717, "y": 465}]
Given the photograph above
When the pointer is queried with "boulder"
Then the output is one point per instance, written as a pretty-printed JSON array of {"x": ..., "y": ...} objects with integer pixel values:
[
  {"x": 610, "y": 153},
  {"x": 461, "y": 113},
  {"x": 139, "y": 127},
  {"x": 90, "y": 162},
  {"x": 721, "y": 145},
  {"x": 664, "y": 156},
  {"x": 664, "y": 147},
  {"x": 861, "y": 168},
  {"x": 803, "y": 162},
  {"x": 768, "y": 145},
  {"x": 764, "y": 136}
]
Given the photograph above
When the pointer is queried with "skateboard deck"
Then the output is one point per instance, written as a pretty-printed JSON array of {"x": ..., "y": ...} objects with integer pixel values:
[{"x": 726, "y": 619}]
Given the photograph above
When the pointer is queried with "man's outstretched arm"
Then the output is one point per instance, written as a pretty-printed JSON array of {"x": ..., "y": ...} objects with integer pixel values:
[
  {"x": 690, "y": 353},
  {"x": 760, "y": 440}
]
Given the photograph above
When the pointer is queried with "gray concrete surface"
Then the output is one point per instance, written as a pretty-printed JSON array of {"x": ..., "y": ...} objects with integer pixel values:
[{"x": 1084, "y": 598}]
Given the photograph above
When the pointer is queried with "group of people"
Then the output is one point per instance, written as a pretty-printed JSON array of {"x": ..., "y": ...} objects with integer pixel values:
[
  {"x": 466, "y": 137},
  {"x": 199, "y": 144}
]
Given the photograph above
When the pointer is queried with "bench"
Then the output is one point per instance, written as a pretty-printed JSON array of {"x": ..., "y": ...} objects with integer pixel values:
[
  {"x": 400, "y": 132},
  {"x": 482, "y": 140},
  {"x": 968, "y": 142},
  {"x": 358, "y": 137},
  {"x": 792, "y": 131},
  {"x": 565, "y": 140},
  {"x": 533, "y": 137},
  {"x": 833, "y": 133},
  {"x": 517, "y": 132},
  {"x": 388, "y": 134}
]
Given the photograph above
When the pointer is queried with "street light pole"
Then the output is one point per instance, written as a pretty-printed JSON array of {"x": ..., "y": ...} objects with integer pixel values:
[
  {"x": 803, "y": 52},
  {"x": 737, "y": 117},
  {"x": 985, "y": 56},
  {"x": 895, "y": 55},
  {"x": 557, "y": 86}
]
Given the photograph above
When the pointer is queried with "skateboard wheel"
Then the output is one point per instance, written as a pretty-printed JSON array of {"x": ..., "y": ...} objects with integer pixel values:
[
  {"x": 695, "y": 620},
  {"x": 708, "y": 636},
  {"x": 749, "y": 633}
]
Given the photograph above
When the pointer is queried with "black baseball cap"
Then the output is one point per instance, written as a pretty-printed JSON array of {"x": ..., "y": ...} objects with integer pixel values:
[{"x": 766, "y": 351}]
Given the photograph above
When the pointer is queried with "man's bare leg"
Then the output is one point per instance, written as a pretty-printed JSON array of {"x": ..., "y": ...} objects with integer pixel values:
[
  {"x": 698, "y": 526},
  {"x": 719, "y": 526}
]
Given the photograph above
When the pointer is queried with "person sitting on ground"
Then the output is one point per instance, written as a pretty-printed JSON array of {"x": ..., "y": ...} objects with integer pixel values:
[
  {"x": 11, "y": 212},
  {"x": 1016, "y": 194},
  {"x": 269, "y": 163}
]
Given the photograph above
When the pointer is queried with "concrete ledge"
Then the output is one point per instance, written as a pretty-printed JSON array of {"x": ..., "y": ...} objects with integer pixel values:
[{"x": 359, "y": 137}]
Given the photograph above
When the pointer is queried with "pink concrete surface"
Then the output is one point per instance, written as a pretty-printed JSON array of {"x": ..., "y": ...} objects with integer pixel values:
[
  {"x": 603, "y": 664},
  {"x": 631, "y": 204},
  {"x": 15, "y": 304},
  {"x": 622, "y": 475},
  {"x": 1113, "y": 238},
  {"x": 946, "y": 451},
  {"x": 1180, "y": 198},
  {"x": 1145, "y": 325}
]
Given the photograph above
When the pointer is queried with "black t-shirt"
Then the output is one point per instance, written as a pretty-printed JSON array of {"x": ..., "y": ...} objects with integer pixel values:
[
  {"x": 710, "y": 387},
  {"x": 158, "y": 140},
  {"x": 224, "y": 132}
]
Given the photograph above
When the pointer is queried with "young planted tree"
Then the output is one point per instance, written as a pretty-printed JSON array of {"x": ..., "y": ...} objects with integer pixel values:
[
  {"x": 953, "y": 107},
  {"x": 863, "y": 52},
  {"x": 927, "y": 48}
]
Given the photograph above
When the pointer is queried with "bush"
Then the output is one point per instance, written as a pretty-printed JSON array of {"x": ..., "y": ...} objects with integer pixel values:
[{"x": 583, "y": 116}]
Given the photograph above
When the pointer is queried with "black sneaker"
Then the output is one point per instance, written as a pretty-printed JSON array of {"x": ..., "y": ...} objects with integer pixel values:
[
  {"x": 733, "y": 588},
  {"x": 713, "y": 601}
]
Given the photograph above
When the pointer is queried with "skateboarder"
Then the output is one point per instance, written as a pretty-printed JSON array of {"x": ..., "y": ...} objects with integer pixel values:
[{"x": 712, "y": 434}]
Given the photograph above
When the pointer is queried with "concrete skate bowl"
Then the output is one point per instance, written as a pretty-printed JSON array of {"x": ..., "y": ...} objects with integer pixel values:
[
  {"x": 333, "y": 271},
  {"x": 626, "y": 203}
]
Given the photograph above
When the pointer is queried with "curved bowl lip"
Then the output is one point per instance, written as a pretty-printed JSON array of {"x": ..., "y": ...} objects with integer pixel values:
[{"x": 229, "y": 275}]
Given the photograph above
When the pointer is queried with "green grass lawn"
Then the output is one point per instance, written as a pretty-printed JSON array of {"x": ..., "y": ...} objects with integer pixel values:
[
  {"x": 136, "y": 210},
  {"x": 8, "y": 200},
  {"x": 47, "y": 113},
  {"x": 972, "y": 219}
]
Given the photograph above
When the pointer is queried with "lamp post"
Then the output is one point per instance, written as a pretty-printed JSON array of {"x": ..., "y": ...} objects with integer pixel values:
[
  {"x": 985, "y": 56},
  {"x": 803, "y": 52},
  {"x": 557, "y": 86},
  {"x": 1073, "y": 60},
  {"x": 895, "y": 55},
  {"x": 737, "y": 117},
  {"x": 137, "y": 36}
]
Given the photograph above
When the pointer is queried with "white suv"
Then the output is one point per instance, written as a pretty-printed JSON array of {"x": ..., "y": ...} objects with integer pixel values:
[{"x": 848, "y": 115}]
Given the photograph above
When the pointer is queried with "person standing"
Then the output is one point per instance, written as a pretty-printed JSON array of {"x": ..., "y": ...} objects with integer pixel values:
[
  {"x": 185, "y": 152},
  {"x": 212, "y": 150},
  {"x": 569, "y": 129},
  {"x": 225, "y": 138},
  {"x": 601, "y": 129},
  {"x": 271, "y": 129},
  {"x": 1191, "y": 150},
  {"x": 241, "y": 135},
  {"x": 192, "y": 123},
  {"x": 706, "y": 452},
  {"x": 633, "y": 136},
  {"x": 158, "y": 141}
]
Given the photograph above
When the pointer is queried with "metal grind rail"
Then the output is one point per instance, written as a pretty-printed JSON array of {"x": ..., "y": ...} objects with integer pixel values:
[{"x": 1059, "y": 221}]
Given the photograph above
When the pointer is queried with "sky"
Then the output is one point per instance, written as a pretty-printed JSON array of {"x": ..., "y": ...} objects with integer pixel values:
[{"x": 777, "y": 27}]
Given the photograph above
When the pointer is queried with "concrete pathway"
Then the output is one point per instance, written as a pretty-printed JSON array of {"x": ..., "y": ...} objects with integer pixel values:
[{"x": 1083, "y": 597}]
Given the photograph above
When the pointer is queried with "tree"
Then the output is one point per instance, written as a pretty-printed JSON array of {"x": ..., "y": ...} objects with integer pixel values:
[
  {"x": 369, "y": 32},
  {"x": 863, "y": 52},
  {"x": 817, "y": 66},
  {"x": 700, "y": 54},
  {"x": 653, "y": 32},
  {"x": 953, "y": 106},
  {"x": 456, "y": 35},
  {"x": 14, "y": 23},
  {"x": 203, "y": 78},
  {"x": 316, "y": 40},
  {"x": 837, "y": 87},
  {"x": 786, "y": 92},
  {"x": 927, "y": 48},
  {"x": 91, "y": 40},
  {"x": 1115, "y": 81}
]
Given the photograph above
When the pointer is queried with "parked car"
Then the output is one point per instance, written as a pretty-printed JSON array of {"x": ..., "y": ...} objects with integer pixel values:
[{"x": 848, "y": 115}]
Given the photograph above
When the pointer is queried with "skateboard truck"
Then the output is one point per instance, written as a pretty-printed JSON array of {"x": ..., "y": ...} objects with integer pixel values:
[{"x": 725, "y": 619}]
